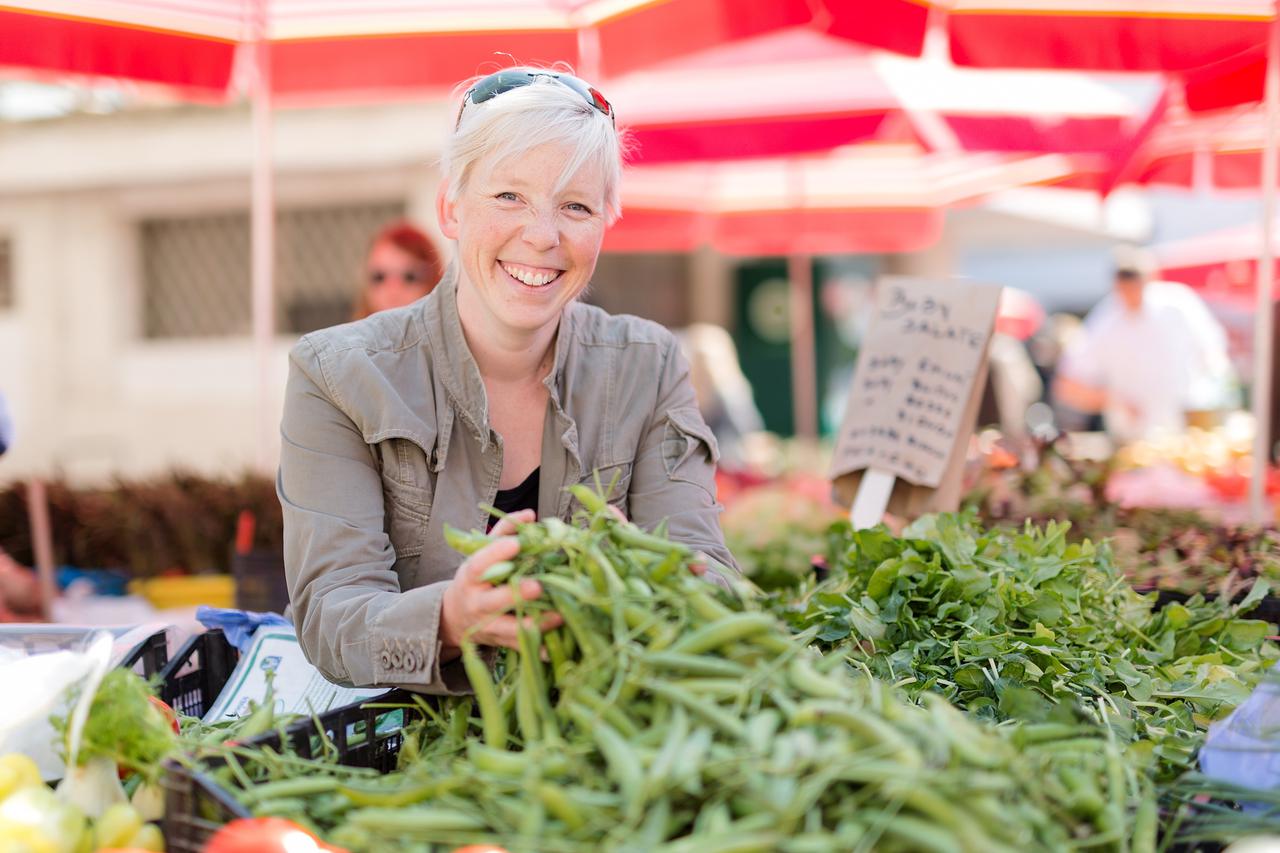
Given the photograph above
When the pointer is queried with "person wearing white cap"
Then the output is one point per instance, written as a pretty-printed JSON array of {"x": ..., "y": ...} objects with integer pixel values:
[{"x": 1148, "y": 353}]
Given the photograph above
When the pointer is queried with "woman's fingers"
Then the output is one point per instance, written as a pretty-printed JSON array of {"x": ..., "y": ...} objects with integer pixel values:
[
  {"x": 508, "y": 523},
  {"x": 495, "y": 552},
  {"x": 503, "y": 630}
]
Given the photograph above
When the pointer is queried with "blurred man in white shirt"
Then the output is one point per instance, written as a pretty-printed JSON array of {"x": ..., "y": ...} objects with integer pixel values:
[{"x": 1149, "y": 352}]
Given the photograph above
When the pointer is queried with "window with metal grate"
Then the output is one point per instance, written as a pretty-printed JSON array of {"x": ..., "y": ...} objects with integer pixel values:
[{"x": 196, "y": 279}]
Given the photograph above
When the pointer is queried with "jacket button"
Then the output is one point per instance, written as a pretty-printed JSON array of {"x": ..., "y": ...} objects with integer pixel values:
[
  {"x": 385, "y": 660},
  {"x": 411, "y": 661},
  {"x": 395, "y": 660}
]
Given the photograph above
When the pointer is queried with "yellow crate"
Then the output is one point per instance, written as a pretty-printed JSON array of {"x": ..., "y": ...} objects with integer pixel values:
[{"x": 164, "y": 593}]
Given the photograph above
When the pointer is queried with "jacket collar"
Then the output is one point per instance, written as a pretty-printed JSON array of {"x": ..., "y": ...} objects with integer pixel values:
[{"x": 457, "y": 367}]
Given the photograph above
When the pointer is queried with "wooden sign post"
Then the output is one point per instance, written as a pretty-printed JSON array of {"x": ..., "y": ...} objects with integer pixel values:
[{"x": 914, "y": 398}]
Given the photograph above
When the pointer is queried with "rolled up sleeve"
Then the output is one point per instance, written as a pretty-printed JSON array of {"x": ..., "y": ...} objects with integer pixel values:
[
  {"x": 674, "y": 476},
  {"x": 353, "y": 621}
]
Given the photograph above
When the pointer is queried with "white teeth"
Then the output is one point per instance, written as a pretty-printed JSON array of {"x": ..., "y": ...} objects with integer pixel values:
[{"x": 529, "y": 278}]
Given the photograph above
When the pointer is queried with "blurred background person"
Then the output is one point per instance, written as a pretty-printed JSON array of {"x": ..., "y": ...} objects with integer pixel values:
[
  {"x": 1148, "y": 353},
  {"x": 6, "y": 425},
  {"x": 724, "y": 394},
  {"x": 19, "y": 589},
  {"x": 402, "y": 266}
]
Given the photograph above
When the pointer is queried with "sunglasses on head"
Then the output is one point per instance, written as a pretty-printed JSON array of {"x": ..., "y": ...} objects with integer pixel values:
[
  {"x": 406, "y": 276},
  {"x": 504, "y": 81}
]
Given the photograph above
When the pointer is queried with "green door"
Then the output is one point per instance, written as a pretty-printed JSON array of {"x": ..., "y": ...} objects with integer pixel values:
[{"x": 763, "y": 335}]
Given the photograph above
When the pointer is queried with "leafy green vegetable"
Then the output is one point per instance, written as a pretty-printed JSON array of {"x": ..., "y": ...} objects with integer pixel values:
[
  {"x": 124, "y": 726},
  {"x": 1032, "y": 626}
]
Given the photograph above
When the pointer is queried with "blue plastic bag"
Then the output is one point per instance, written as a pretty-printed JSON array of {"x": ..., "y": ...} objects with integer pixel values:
[
  {"x": 237, "y": 625},
  {"x": 1244, "y": 749}
]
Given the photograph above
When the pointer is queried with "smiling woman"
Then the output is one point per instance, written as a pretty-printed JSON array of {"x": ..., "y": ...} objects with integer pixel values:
[{"x": 498, "y": 388}]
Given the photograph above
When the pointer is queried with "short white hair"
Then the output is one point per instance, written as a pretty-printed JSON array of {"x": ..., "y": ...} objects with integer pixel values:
[{"x": 521, "y": 119}]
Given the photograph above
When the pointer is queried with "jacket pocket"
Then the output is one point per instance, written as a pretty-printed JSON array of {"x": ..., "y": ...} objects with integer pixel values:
[
  {"x": 407, "y": 493},
  {"x": 618, "y": 476},
  {"x": 689, "y": 449}
]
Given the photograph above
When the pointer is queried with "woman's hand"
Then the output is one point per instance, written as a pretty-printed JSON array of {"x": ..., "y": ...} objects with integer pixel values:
[{"x": 479, "y": 612}]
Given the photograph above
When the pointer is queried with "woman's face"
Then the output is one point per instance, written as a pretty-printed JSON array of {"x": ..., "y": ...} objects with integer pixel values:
[
  {"x": 394, "y": 278},
  {"x": 525, "y": 250}
]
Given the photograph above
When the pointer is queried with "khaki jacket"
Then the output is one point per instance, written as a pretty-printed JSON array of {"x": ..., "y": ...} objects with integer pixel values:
[{"x": 386, "y": 439}]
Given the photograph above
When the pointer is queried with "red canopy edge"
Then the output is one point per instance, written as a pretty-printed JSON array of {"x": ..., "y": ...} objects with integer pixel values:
[
  {"x": 763, "y": 138},
  {"x": 112, "y": 49},
  {"x": 783, "y": 232},
  {"x": 897, "y": 25},
  {"x": 1098, "y": 42},
  {"x": 399, "y": 61},
  {"x": 656, "y": 31}
]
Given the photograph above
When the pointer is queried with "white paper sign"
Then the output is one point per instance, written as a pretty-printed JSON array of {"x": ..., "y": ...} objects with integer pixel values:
[
  {"x": 298, "y": 687},
  {"x": 916, "y": 372}
]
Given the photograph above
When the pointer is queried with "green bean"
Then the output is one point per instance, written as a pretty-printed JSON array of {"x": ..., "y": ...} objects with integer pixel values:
[
  {"x": 498, "y": 572},
  {"x": 735, "y": 627},
  {"x": 560, "y": 806},
  {"x": 710, "y": 712},
  {"x": 391, "y": 797},
  {"x": 280, "y": 807},
  {"x": 873, "y": 730},
  {"x": 694, "y": 664},
  {"x": 413, "y": 820},
  {"x": 618, "y": 755},
  {"x": 665, "y": 760},
  {"x": 612, "y": 714},
  {"x": 1144, "y": 824},
  {"x": 629, "y": 535},
  {"x": 921, "y": 835},
  {"x": 491, "y": 715},
  {"x": 807, "y": 680},
  {"x": 300, "y": 786}
]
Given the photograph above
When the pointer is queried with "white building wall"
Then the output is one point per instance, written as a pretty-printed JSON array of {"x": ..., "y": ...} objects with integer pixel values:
[{"x": 90, "y": 396}]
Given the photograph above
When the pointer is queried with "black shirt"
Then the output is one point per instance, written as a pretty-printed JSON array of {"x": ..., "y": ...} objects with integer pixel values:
[{"x": 523, "y": 496}]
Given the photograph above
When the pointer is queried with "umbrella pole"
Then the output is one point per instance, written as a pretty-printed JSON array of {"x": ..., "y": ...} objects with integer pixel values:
[
  {"x": 262, "y": 240},
  {"x": 804, "y": 370},
  {"x": 1263, "y": 325}
]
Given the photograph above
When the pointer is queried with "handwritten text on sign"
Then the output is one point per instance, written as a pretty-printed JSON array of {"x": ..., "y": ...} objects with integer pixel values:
[{"x": 914, "y": 376}]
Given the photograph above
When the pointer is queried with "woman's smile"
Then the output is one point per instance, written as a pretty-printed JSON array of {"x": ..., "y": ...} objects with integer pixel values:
[{"x": 530, "y": 276}]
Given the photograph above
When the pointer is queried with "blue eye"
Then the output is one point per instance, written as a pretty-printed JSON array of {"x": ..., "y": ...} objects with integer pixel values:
[
  {"x": 579, "y": 207},
  {"x": 507, "y": 196}
]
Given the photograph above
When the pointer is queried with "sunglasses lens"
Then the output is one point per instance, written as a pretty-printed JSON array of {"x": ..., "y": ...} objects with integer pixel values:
[
  {"x": 410, "y": 277},
  {"x": 504, "y": 81},
  {"x": 377, "y": 277}
]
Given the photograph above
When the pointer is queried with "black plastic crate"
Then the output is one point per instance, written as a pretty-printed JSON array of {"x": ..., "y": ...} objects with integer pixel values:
[
  {"x": 193, "y": 679},
  {"x": 195, "y": 805},
  {"x": 149, "y": 657}
]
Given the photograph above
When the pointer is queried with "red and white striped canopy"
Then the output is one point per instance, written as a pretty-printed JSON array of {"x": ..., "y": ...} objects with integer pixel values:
[
  {"x": 864, "y": 198},
  {"x": 800, "y": 90},
  {"x": 1104, "y": 35},
  {"x": 361, "y": 46}
]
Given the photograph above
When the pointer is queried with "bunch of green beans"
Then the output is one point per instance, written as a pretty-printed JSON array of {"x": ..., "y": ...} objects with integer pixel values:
[{"x": 667, "y": 715}]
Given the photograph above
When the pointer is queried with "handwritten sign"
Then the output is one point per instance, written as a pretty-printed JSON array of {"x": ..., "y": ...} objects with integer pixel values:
[{"x": 916, "y": 378}]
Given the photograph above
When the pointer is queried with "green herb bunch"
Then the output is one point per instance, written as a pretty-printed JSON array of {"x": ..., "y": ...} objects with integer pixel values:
[{"x": 1027, "y": 625}]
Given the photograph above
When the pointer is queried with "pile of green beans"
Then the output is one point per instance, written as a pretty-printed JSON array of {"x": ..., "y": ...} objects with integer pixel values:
[{"x": 669, "y": 715}]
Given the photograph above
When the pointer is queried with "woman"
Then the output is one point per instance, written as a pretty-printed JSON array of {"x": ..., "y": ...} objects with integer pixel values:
[
  {"x": 499, "y": 387},
  {"x": 401, "y": 266}
]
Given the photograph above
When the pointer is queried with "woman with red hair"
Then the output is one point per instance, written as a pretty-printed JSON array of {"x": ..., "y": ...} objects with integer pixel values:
[{"x": 402, "y": 266}]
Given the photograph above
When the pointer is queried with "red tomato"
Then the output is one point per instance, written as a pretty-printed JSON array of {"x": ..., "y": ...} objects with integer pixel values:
[
  {"x": 168, "y": 712},
  {"x": 266, "y": 835}
]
